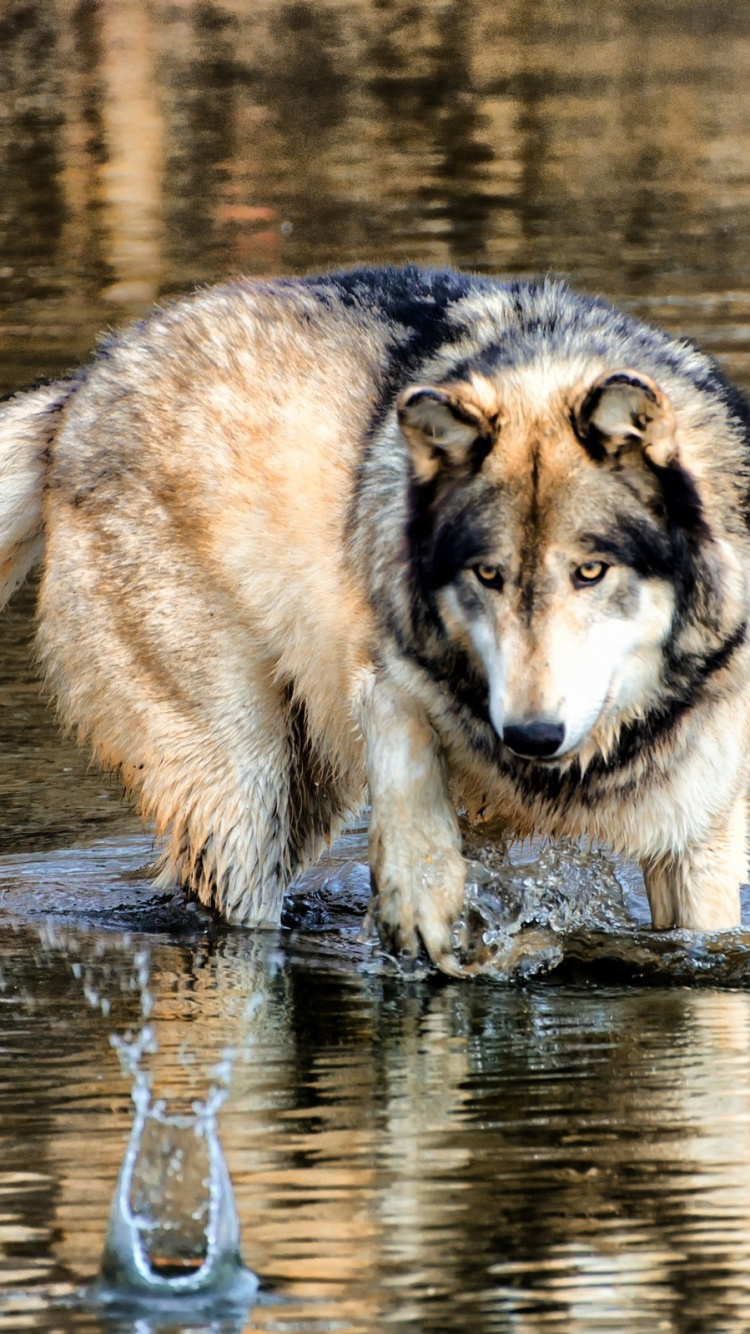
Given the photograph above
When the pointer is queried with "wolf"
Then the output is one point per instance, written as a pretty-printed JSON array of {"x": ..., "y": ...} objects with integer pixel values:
[{"x": 456, "y": 547}]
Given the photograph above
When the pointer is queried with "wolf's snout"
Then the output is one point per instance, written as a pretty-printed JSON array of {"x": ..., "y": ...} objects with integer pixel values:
[{"x": 535, "y": 740}]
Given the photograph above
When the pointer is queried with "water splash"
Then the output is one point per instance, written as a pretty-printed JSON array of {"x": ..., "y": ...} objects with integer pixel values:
[
  {"x": 173, "y": 1232},
  {"x": 561, "y": 911},
  {"x": 519, "y": 913},
  {"x": 173, "y": 1227}
]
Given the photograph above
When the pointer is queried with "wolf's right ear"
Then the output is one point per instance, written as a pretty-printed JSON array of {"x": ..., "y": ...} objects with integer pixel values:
[{"x": 445, "y": 428}]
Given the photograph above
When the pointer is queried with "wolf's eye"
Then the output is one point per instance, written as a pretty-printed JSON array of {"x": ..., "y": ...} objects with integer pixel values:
[
  {"x": 591, "y": 572},
  {"x": 489, "y": 575}
]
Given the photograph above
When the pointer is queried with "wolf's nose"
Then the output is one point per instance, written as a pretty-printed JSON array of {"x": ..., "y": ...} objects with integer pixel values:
[{"x": 534, "y": 740}]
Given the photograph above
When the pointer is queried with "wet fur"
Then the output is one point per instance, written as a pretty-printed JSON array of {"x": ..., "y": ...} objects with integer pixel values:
[{"x": 257, "y": 602}]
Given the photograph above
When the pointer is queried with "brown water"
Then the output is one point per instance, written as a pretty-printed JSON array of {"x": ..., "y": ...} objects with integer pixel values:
[{"x": 568, "y": 1152}]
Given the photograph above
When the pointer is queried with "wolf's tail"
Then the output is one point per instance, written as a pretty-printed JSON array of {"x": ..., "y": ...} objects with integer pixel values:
[{"x": 28, "y": 424}]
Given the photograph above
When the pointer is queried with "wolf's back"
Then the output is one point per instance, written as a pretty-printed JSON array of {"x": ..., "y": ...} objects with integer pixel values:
[{"x": 28, "y": 424}]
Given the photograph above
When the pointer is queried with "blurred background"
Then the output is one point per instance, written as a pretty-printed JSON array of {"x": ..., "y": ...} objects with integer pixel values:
[{"x": 149, "y": 145}]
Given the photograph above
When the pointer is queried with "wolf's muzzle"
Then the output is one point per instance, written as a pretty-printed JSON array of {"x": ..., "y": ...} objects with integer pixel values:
[{"x": 534, "y": 741}]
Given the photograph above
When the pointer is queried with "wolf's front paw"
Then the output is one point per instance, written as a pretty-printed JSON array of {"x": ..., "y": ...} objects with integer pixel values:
[{"x": 418, "y": 894}]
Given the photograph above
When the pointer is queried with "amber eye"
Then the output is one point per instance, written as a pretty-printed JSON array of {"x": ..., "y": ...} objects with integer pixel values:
[
  {"x": 489, "y": 575},
  {"x": 591, "y": 572}
]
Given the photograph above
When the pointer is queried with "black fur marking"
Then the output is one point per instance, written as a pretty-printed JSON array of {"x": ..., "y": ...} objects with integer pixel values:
[
  {"x": 436, "y": 396},
  {"x": 591, "y": 438},
  {"x": 682, "y": 503},
  {"x": 409, "y": 296},
  {"x": 415, "y": 303},
  {"x": 463, "y": 687},
  {"x": 530, "y": 543},
  {"x": 641, "y": 545},
  {"x": 447, "y": 533},
  {"x": 415, "y": 306},
  {"x": 665, "y": 543},
  {"x": 535, "y": 781},
  {"x": 315, "y": 802},
  {"x": 688, "y": 532},
  {"x": 689, "y": 678}
]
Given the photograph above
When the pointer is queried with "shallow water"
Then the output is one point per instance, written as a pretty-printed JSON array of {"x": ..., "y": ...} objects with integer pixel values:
[
  {"x": 563, "y": 1145},
  {"x": 404, "y": 1153}
]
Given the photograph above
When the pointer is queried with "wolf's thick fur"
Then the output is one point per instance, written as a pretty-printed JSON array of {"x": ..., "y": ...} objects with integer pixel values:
[{"x": 427, "y": 537}]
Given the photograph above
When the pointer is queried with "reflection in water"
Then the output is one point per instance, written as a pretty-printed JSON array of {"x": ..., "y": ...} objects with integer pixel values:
[
  {"x": 132, "y": 168},
  {"x": 435, "y": 1158}
]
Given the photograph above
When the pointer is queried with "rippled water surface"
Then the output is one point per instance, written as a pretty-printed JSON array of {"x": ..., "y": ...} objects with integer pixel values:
[{"x": 563, "y": 1144}]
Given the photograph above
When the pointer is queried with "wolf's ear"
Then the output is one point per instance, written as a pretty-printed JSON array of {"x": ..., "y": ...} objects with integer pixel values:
[
  {"x": 445, "y": 427},
  {"x": 623, "y": 411}
]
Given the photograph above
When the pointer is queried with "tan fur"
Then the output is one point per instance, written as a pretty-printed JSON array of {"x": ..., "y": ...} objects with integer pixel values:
[
  {"x": 226, "y": 614},
  {"x": 210, "y": 580}
]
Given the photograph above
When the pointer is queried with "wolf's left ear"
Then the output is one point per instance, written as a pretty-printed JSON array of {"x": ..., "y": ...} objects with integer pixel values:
[
  {"x": 445, "y": 427},
  {"x": 626, "y": 410}
]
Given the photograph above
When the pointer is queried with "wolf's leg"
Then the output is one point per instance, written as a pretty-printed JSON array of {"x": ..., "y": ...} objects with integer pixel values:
[
  {"x": 417, "y": 870},
  {"x": 699, "y": 889},
  {"x": 230, "y": 829}
]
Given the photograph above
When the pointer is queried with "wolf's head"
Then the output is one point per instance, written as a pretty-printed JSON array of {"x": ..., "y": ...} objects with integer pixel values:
[{"x": 559, "y": 534}]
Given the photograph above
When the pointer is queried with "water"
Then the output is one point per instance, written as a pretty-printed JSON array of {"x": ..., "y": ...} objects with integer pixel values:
[
  {"x": 561, "y": 1143},
  {"x": 408, "y": 1154}
]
